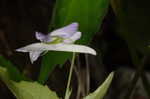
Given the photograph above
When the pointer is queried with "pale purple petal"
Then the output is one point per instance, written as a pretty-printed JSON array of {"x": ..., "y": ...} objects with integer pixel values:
[
  {"x": 34, "y": 55},
  {"x": 42, "y": 37},
  {"x": 66, "y": 32},
  {"x": 59, "y": 47},
  {"x": 76, "y": 36},
  {"x": 73, "y": 38}
]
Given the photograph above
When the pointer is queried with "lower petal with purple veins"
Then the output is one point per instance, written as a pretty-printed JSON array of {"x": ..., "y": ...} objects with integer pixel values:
[{"x": 34, "y": 55}]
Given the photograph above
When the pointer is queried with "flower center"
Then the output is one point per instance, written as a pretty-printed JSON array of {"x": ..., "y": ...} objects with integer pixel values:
[{"x": 55, "y": 40}]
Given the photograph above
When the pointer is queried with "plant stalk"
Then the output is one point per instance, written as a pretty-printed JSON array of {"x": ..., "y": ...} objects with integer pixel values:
[{"x": 69, "y": 78}]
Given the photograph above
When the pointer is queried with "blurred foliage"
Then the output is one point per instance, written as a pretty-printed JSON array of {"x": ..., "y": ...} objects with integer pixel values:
[
  {"x": 100, "y": 92},
  {"x": 133, "y": 24},
  {"x": 26, "y": 90},
  {"x": 12, "y": 70}
]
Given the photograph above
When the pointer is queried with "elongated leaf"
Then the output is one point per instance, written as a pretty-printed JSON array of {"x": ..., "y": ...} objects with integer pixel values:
[
  {"x": 88, "y": 13},
  {"x": 100, "y": 92},
  {"x": 26, "y": 90}
]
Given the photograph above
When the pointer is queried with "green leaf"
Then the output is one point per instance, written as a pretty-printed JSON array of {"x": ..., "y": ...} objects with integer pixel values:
[
  {"x": 50, "y": 60},
  {"x": 88, "y": 13},
  {"x": 26, "y": 90},
  {"x": 100, "y": 92},
  {"x": 33, "y": 90},
  {"x": 12, "y": 70}
]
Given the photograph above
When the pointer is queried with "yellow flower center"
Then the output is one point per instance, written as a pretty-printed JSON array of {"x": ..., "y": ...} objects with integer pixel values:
[{"x": 56, "y": 40}]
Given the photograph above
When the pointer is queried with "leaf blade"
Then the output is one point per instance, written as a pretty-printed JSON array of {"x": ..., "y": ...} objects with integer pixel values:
[
  {"x": 26, "y": 90},
  {"x": 100, "y": 92}
]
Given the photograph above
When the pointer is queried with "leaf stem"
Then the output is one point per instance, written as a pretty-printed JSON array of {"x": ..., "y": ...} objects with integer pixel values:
[{"x": 70, "y": 75}]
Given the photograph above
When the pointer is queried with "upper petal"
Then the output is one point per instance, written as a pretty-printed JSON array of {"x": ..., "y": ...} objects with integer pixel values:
[
  {"x": 73, "y": 38},
  {"x": 66, "y": 31},
  {"x": 76, "y": 36},
  {"x": 42, "y": 37}
]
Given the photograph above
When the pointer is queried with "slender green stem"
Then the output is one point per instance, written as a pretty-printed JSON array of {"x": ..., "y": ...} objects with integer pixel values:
[{"x": 70, "y": 75}]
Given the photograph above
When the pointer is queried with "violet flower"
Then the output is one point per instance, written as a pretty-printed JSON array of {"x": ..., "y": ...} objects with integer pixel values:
[{"x": 58, "y": 40}]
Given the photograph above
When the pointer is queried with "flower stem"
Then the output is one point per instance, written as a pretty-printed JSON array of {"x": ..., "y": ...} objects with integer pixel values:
[{"x": 69, "y": 78}]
